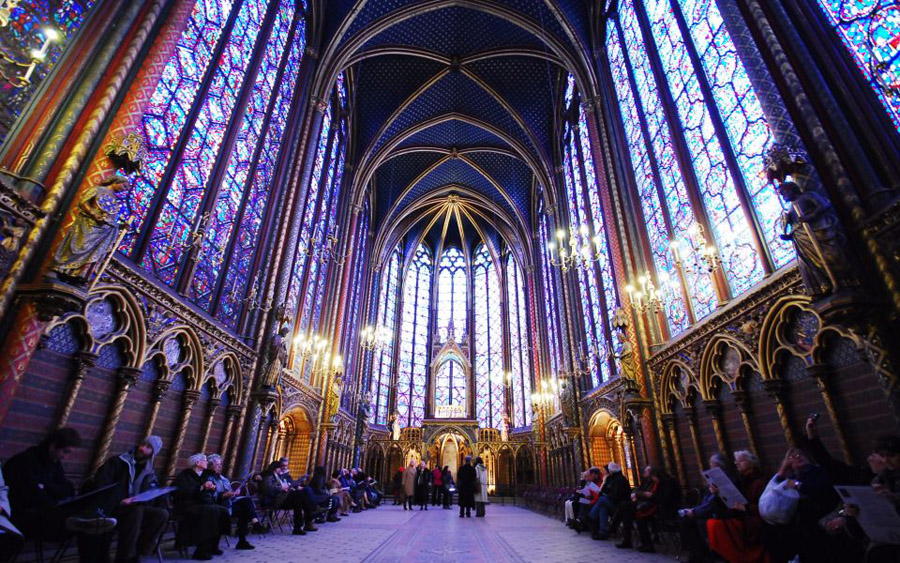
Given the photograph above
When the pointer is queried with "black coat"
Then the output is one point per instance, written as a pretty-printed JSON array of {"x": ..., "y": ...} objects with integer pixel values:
[
  {"x": 423, "y": 479},
  {"x": 130, "y": 478},
  {"x": 36, "y": 484},
  {"x": 465, "y": 485},
  {"x": 616, "y": 488},
  {"x": 204, "y": 520}
]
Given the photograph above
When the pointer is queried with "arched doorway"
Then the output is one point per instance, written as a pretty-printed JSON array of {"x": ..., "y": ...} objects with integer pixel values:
[
  {"x": 296, "y": 435},
  {"x": 524, "y": 468},
  {"x": 607, "y": 441},
  {"x": 449, "y": 454}
]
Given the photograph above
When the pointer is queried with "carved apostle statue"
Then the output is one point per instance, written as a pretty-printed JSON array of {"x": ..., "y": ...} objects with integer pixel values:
[
  {"x": 395, "y": 426},
  {"x": 276, "y": 355},
  {"x": 93, "y": 234}
]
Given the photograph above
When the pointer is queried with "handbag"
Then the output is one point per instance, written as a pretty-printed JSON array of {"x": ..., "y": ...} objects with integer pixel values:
[{"x": 778, "y": 504}]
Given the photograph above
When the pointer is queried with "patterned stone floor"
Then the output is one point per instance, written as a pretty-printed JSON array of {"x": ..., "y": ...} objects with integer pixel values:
[{"x": 390, "y": 534}]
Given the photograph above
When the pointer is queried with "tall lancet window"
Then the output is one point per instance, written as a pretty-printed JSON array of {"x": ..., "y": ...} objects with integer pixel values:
[
  {"x": 490, "y": 394},
  {"x": 412, "y": 376},
  {"x": 696, "y": 140},
  {"x": 451, "y": 297},
  {"x": 213, "y": 131},
  {"x": 386, "y": 320},
  {"x": 520, "y": 362},
  {"x": 596, "y": 283},
  {"x": 450, "y": 384}
]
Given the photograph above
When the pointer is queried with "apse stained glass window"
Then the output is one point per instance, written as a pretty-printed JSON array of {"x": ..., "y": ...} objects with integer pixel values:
[
  {"x": 490, "y": 395},
  {"x": 386, "y": 320},
  {"x": 450, "y": 384},
  {"x": 451, "y": 300},
  {"x": 200, "y": 201},
  {"x": 869, "y": 29},
  {"x": 414, "y": 356},
  {"x": 520, "y": 362},
  {"x": 718, "y": 122},
  {"x": 34, "y": 26}
]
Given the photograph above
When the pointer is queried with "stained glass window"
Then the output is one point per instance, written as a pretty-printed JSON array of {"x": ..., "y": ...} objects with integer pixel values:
[
  {"x": 353, "y": 321},
  {"x": 520, "y": 362},
  {"x": 450, "y": 384},
  {"x": 595, "y": 284},
  {"x": 554, "y": 336},
  {"x": 869, "y": 30},
  {"x": 490, "y": 394},
  {"x": 27, "y": 31},
  {"x": 414, "y": 356},
  {"x": 386, "y": 320},
  {"x": 451, "y": 300},
  {"x": 720, "y": 127},
  {"x": 200, "y": 201}
]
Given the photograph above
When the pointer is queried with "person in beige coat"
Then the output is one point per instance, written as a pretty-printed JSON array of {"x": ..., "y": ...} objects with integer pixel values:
[
  {"x": 409, "y": 485},
  {"x": 481, "y": 489}
]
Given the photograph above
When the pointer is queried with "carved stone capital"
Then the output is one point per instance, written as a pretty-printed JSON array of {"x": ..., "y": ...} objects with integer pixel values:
[
  {"x": 775, "y": 389},
  {"x": 83, "y": 362},
  {"x": 190, "y": 398},
  {"x": 741, "y": 399},
  {"x": 820, "y": 372},
  {"x": 53, "y": 298},
  {"x": 232, "y": 411},
  {"x": 160, "y": 388},
  {"x": 713, "y": 407},
  {"x": 318, "y": 104},
  {"x": 128, "y": 376},
  {"x": 668, "y": 420}
]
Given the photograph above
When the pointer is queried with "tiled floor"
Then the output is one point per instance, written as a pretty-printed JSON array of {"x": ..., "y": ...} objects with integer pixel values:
[{"x": 390, "y": 534}]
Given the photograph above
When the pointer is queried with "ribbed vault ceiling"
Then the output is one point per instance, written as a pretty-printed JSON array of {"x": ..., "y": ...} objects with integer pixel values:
[{"x": 455, "y": 100}]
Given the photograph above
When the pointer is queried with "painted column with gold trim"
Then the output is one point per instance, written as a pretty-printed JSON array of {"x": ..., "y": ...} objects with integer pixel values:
[
  {"x": 126, "y": 378},
  {"x": 669, "y": 422},
  {"x": 822, "y": 374},
  {"x": 691, "y": 415},
  {"x": 207, "y": 424},
  {"x": 189, "y": 400},
  {"x": 714, "y": 410},
  {"x": 743, "y": 404},
  {"x": 775, "y": 389},
  {"x": 160, "y": 387}
]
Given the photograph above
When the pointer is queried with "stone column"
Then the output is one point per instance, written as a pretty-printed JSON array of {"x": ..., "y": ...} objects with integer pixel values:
[
  {"x": 743, "y": 403},
  {"x": 714, "y": 410},
  {"x": 207, "y": 424},
  {"x": 822, "y": 374},
  {"x": 189, "y": 400},
  {"x": 126, "y": 376},
  {"x": 775, "y": 390},
  {"x": 159, "y": 391},
  {"x": 84, "y": 361},
  {"x": 232, "y": 413}
]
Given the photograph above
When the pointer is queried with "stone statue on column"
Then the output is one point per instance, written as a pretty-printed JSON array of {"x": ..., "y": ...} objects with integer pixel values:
[
  {"x": 275, "y": 357},
  {"x": 812, "y": 225},
  {"x": 395, "y": 426}
]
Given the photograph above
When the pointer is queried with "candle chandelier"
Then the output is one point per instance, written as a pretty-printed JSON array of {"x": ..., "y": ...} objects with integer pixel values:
[
  {"x": 374, "y": 338},
  {"x": 645, "y": 296},
  {"x": 18, "y": 73},
  {"x": 694, "y": 252},
  {"x": 322, "y": 249},
  {"x": 575, "y": 249}
]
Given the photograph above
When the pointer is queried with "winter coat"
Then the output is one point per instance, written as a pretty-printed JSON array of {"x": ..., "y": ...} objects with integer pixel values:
[
  {"x": 481, "y": 492},
  {"x": 616, "y": 488},
  {"x": 36, "y": 485},
  {"x": 438, "y": 478},
  {"x": 130, "y": 477},
  {"x": 465, "y": 485},
  {"x": 423, "y": 479},
  {"x": 204, "y": 520},
  {"x": 409, "y": 481}
]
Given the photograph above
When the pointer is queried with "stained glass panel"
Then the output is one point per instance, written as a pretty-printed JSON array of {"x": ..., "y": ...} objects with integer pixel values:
[
  {"x": 451, "y": 303},
  {"x": 490, "y": 396},
  {"x": 870, "y": 30},
  {"x": 518, "y": 343},
  {"x": 413, "y": 368},
  {"x": 386, "y": 319},
  {"x": 177, "y": 220}
]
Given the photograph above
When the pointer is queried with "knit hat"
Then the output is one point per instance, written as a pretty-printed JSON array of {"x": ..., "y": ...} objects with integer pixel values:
[
  {"x": 155, "y": 443},
  {"x": 614, "y": 467}
]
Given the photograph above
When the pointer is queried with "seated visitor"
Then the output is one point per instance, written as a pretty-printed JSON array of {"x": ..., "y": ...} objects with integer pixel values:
[
  {"x": 139, "y": 523},
  {"x": 645, "y": 502},
  {"x": 11, "y": 539},
  {"x": 204, "y": 519},
  {"x": 734, "y": 534},
  {"x": 613, "y": 492},
  {"x": 336, "y": 488},
  {"x": 239, "y": 506},
  {"x": 38, "y": 484},
  {"x": 322, "y": 496},
  {"x": 278, "y": 493},
  {"x": 588, "y": 495},
  {"x": 802, "y": 535},
  {"x": 692, "y": 524}
]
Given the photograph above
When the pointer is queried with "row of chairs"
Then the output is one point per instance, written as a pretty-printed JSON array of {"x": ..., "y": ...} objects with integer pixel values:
[{"x": 547, "y": 500}]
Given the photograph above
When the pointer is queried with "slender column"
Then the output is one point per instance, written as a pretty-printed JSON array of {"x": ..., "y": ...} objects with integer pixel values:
[
  {"x": 714, "y": 410},
  {"x": 273, "y": 437},
  {"x": 236, "y": 438},
  {"x": 84, "y": 361},
  {"x": 691, "y": 415},
  {"x": 126, "y": 376},
  {"x": 159, "y": 391},
  {"x": 743, "y": 403},
  {"x": 231, "y": 414},
  {"x": 775, "y": 390},
  {"x": 189, "y": 400},
  {"x": 207, "y": 424},
  {"x": 669, "y": 421},
  {"x": 631, "y": 457},
  {"x": 822, "y": 374},
  {"x": 260, "y": 433}
]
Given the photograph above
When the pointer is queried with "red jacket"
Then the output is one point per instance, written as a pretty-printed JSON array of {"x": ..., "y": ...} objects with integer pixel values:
[{"x": 438, "y": 481}]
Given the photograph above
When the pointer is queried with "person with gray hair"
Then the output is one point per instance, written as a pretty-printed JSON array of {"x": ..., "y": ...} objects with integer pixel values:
[
  {"x": 692, "y": 521},
  {"x": 229, "y": 495},
  {"x": 195, "y": 499},
  {"x": 466, "y": 483},
  {"x": 613, "y": 492}
]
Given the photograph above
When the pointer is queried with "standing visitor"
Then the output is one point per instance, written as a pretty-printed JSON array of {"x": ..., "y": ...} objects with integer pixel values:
[
  {"x": 398, "y": 486},
  {"x": 409, "y": 484},
  {"x": 447, "y": 479},
  {"x": 481, "y": 492},
  {"x": 437, "y": 481},
  {"x": 465, "y": 487},
  {"x": 423, "y": 479}
]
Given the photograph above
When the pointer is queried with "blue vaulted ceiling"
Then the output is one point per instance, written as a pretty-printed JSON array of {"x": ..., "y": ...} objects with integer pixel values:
[{"x": 481, "y": 78}]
